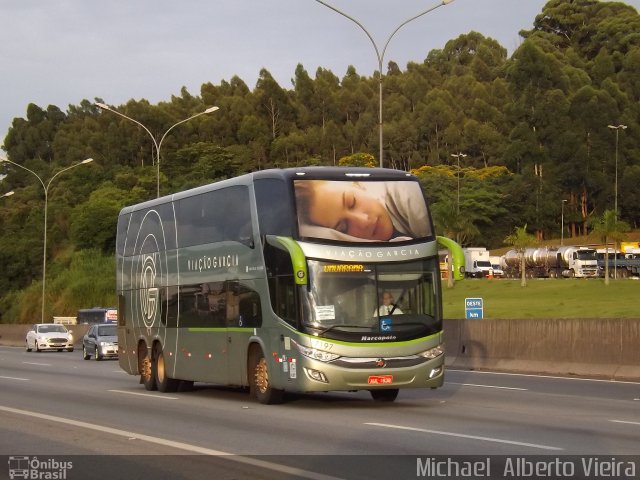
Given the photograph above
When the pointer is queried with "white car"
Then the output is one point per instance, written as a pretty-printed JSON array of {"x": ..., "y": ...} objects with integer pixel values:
[{"x": 49, "y": 336}]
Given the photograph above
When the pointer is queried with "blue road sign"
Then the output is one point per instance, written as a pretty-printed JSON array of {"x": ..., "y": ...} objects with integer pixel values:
[{"x": 473, "y": 308}]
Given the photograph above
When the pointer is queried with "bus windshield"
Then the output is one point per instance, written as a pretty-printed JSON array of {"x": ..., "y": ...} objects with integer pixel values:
[{"x": 350, "y": 301}]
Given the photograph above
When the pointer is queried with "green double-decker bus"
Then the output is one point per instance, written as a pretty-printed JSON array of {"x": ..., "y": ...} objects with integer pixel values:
[{"x": 302, "y": 280}]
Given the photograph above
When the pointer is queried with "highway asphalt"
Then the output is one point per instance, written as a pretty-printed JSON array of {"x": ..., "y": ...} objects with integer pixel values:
[{"x": 55, "y": 404}]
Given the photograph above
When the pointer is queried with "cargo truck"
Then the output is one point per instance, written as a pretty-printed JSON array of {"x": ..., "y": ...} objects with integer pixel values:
[
  {"x": 553, "y": 262},
  {"x": 621, "y": 265},
  {"x": 476, "y": 262}
]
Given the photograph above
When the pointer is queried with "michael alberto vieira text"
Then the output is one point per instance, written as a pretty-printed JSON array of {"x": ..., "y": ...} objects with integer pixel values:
[{"x": 527, "y": 467}]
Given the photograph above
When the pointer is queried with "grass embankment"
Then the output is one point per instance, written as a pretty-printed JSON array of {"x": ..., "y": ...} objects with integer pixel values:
[{"x": 545, "y": 298}]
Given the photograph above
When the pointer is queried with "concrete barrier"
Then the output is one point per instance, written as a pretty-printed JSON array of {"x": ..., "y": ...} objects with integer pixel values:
[{"x": 597, "y": 348}]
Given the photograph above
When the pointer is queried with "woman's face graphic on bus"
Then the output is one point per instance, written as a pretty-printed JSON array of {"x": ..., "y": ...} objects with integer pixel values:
[{"x": 350, "y": 209}]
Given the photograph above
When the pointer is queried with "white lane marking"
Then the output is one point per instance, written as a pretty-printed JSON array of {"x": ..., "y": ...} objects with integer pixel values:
[
  {"x": 162, "y": 397},
  {"x": 487, "y": 386},
  {"x": 174, "y": 444},
  {"x": 40, "y": 364},
  {"x": 625, "y": 421},
  {"x": 462, "y": 435},
  {"x": 543, "y": 376},
  {"x": 15, "y": 378}
]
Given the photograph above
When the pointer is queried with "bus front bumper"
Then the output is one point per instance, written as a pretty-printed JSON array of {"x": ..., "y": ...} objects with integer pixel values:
[{"x": 316, "y": 376}]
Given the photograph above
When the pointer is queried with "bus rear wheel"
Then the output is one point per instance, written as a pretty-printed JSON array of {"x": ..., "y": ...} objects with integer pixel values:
[
  {"x": 163, "y": 382},
  {"x": 146, "y": 366},
  {"x": 259, "y": 381},
  {"x": 388, "y": 395}
]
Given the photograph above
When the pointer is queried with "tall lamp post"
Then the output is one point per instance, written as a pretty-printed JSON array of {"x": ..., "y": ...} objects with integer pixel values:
[
  {"x": 615, "y": 204},
  {"x": 562, "y": 223},
  {"x": 617, "y": 129},
  {"x": 46, "y": 201},
  {"x": 157, "y": 144},
  {"x": 380, "y": 55},
  {"x": 457, "y": 156}
]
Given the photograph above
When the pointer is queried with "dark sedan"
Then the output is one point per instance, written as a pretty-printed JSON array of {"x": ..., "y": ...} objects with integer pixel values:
[{"x": 100, "y": 341}]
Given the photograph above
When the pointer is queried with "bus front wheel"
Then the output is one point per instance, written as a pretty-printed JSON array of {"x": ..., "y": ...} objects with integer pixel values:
[
  {"x": 259, "y": 381},
  {"x": 163, "y": 382},
  {"x": 388, "y": 395}
]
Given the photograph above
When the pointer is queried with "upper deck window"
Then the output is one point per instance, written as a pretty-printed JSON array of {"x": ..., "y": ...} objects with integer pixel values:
[
  {"x": 275, "y": 214},
  {"x": 216, "y": 216}
]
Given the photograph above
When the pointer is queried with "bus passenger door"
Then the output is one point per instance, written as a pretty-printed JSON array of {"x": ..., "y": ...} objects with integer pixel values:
[{"x": 243, "y": 315}]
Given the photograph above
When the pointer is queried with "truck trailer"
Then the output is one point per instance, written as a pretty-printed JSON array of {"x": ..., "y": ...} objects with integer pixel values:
[
  {"x": 621, "y": 265},
  {"x": 552, "y": 262}
]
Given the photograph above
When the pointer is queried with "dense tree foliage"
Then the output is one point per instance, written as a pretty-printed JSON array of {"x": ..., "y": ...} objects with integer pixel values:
[{"x": 533, "y": 126}]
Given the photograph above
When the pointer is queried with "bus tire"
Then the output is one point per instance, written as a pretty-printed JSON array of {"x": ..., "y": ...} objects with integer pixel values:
[
  {"x": 163, "y": 382},
  {"x": 146, "y": 366},
  {"x": 387, "y": 395},
  {"x": 259, "y": 382}
]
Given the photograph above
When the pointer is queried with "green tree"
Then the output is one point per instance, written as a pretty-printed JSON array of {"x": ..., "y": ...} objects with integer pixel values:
[
  {"x": 520, "y": 239},
  {"x": 358, "y": 160},
  {"x": 607, "y": 227},
  {"x": 94, "y": 222}
]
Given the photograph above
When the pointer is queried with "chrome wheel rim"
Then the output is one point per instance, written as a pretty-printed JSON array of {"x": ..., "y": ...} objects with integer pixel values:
[{"x": 262, "y": 375}]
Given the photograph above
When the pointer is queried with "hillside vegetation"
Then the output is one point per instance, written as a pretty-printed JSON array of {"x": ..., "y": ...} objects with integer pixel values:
[{"x": 534, "y": 128}]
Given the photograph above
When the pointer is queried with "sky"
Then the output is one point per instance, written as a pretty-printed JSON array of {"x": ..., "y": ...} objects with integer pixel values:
[{"x": 60, "y": 52}]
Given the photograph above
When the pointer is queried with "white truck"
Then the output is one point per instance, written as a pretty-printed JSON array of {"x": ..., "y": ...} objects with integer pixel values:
[
  {"x": 476, "y": 262},
  {"x": 497, "y": 266}
]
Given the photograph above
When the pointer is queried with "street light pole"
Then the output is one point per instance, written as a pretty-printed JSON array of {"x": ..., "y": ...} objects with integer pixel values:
[
  {"x": 562, "y": 223},
  {"x": 46, "y": 201},
  {"x": 615, "y": 207},
  {"x": 457, "y": 156},
  {"x": 617, "y": 129},
  {"x": 380, "y": 55},
  {"x": 157, "y": 144}
]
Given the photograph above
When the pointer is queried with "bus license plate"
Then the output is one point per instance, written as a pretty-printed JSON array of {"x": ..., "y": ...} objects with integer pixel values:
[{"x": 380, "y": 380}]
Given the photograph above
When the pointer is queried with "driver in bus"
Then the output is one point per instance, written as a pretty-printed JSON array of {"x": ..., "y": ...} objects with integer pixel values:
[{"x": 387, "y": 307}]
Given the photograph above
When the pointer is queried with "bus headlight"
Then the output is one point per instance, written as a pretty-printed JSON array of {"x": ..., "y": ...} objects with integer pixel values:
[
  {"x": 316, "y": 354},
  {"x": 432, "y": 352}
]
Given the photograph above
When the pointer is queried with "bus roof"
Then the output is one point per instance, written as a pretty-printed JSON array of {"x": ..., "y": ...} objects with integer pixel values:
[{"x": 287, "y": 174}]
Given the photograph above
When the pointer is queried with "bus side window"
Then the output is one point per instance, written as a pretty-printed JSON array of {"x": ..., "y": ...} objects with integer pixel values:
[
  {"x": 250, "y": 311},
  {"x": 282, "y": 286},
  {"x": 243, "y": 306}
]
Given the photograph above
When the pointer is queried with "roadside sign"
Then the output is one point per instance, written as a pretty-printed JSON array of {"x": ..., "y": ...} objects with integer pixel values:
[{"x": 473, "y": 308}]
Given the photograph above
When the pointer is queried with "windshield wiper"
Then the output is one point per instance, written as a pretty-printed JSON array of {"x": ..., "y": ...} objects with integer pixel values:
[{"x": 324, "y": 330}]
